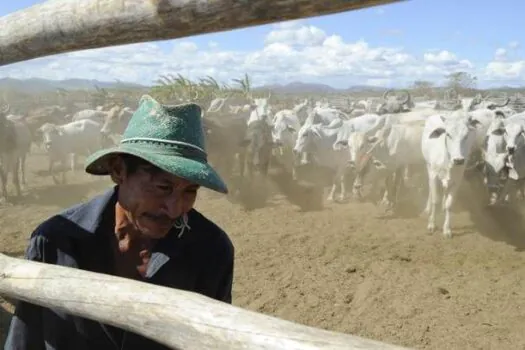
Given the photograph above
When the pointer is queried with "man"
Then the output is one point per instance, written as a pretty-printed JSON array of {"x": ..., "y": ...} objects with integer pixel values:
[{"x": 145, "y": 228}]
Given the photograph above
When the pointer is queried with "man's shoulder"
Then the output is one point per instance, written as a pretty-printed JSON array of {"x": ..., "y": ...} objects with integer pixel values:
[{"x": 210, "y": 234}]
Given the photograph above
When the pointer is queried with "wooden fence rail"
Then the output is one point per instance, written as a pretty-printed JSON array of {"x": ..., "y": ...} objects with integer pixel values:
[
  {"x": 58, "y": 26},
  {"x": 175, "y": 318},
  {"x": 178, "y": 319}
]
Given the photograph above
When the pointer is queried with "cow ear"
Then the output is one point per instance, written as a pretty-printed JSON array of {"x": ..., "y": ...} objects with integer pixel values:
[
  {"x": 339, "y": 145},
  {"x": 498, "y": 132},
  {"x": 437, "y": 133},
  {"x": 372, "y": 139},
  {"x": 290, "y": 129},
  {"x": 473, "y": 122}
]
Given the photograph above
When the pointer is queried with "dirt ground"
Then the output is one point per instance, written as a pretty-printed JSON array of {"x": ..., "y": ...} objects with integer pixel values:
[{"x": 345, "y": 268}]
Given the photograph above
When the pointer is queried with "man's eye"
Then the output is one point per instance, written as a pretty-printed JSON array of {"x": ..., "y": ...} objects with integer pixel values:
[{"x": 164, "y": 188}]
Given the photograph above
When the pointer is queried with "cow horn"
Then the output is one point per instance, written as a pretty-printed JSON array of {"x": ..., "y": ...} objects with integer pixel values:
[
  {"x": 407, "y": 98},
  {"x": 6, "y": 108},
  {"x": 387, "y": 93},
  {"x": 507, "y": 100}
]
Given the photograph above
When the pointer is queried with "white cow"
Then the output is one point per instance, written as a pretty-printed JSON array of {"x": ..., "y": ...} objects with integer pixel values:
[
  {"x": 515, "y": 149},
  {"x": 393, "y": 148},
  {"x": 286, "y": 125},
  {"x": 328, "y": 116},
  {"x": 78, "y": 137},
  {"x": 96, "y": 115},
  {"x": 495, "y": 158},
  {"x": 317, "y": 142},
  {"x": 484, "y": 118},
  {"x": 260, "y": 110},
  {"x": 353, "y": 136},
  {"x": 446, "y": 145}
]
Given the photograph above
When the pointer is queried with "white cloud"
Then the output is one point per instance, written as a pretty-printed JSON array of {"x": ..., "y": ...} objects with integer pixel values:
[
  {"x": 501, "y": 54},
  {"x": 292, "y": 50},
  {"x": 504, "y": 69},
  {"x": 514, "y": 44}
]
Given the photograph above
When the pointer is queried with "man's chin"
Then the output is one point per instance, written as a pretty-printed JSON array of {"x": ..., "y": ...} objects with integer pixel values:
[{"x": 155, "y": 231}]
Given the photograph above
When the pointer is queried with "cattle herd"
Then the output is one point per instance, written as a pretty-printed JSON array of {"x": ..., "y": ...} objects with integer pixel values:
[{"x": 389, "y": 143}]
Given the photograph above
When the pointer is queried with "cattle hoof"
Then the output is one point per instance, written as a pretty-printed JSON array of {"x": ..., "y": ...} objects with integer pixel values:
[
  {"x": 447, "y": 234},
  {"x": 431, "y": 229}
]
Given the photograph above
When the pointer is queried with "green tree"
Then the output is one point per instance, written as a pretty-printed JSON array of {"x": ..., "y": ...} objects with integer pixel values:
[{"x": 462, "y": 82}]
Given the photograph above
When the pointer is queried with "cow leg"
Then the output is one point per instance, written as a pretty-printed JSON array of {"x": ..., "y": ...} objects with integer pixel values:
[
  {"x": 64, "y": 170},
  {"x": 433, "y": 199},
  {"x": 294, "y": 174},
  {"x": 356, "y": 188},
  {"x": 51, "y": 170},
  {"x": 16, "y": 175},
  {"x": 241, "y": 159},
  {"x": 23, "y": 168},
  {"x": 512, "y": 191},
  {"x": 73, "y": 159},
  {"x": 388, "y": 195},
  {"x": 428, "y": 206},
  {"x": 406, "y": 174},
  {"x": 396, "y": 184},
  {"x": 341, "y": 176},
  {"x": 358, "y": 182},
  {"x": 3, "y": 178},
  {"x": 449, "y": 200},
  {"x": 332, "y": 191}
]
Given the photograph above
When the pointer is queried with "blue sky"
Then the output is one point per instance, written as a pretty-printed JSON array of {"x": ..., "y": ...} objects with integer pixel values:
[{"x": 425, "y": 39}]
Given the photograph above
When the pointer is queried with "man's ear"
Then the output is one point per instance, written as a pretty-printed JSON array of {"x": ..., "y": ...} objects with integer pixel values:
[{"x": 117, "y": 169}]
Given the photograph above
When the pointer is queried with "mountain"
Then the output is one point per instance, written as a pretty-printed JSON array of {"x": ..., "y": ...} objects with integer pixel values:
[
  {"x": 35, "y": 85},
  {"x": 41, "y": 85},
  {"x": 300, "y": 87},
  {"x": 297, "y": 87}
]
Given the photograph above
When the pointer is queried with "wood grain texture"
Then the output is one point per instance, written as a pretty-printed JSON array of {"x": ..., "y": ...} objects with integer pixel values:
[
  {"x": 59, "y": 26},
  {"x": 178, "y": 319}
]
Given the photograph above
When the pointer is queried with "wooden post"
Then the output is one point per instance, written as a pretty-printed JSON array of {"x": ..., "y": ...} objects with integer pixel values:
[
  {"x": 175, "y": 318},
  {"x": 59, "y": 26}
]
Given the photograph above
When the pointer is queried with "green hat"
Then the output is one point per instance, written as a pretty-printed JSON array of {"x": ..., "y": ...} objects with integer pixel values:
[{"x": 169, "y": 137}]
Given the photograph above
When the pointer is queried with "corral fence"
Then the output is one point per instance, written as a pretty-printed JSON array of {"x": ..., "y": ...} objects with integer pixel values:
[{"x": 176, "y": 318}]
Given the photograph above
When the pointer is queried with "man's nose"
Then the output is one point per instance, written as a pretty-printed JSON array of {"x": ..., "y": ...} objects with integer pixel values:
[{"x": 174, "y": 205}]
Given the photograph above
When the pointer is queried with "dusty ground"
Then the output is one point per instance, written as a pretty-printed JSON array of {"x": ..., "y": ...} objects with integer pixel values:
[{"x": 346, "y": 268}]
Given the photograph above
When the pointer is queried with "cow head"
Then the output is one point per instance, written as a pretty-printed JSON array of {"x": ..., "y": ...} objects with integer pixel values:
[
  {"x": 514, "y": 137},
  {"x": 283, "y": 132},
  {"x": 305, "y": 143},
  {"x": 361, "y": 144},
  {"x": 459, "y": 135},
  {"x": 495, "y": 157},
  {"x": 258, "y": 144},
  {"x": 393, "y": 104},
  {"x": 260, "y": 109},
  {"x": 49, "y": 134}
]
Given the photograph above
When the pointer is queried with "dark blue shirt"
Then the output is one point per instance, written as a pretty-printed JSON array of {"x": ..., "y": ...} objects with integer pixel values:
[{"x": 201, "y": 260}]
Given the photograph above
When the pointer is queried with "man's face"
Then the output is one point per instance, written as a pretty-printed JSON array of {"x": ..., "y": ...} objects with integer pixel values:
[{"x": 153, "y": 199}]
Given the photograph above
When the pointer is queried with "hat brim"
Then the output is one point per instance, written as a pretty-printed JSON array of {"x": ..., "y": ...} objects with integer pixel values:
[{"x": 200, "y": 173}]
